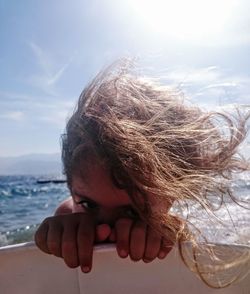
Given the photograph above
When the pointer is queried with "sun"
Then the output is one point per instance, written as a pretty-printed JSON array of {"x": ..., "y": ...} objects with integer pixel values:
[{"x": 185, "y": 19}]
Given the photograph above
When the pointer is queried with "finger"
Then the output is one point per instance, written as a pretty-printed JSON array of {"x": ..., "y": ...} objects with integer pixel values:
[
  {"x": 41, "y": 237},
  {"x": 153, "y": 245},
  {"x": 69, "y": 245},
  {"x": 102, "y": 232},
  {"x": 112, "y": 236},
  {"x": 137, "y": 240},
  {"x": 166, "y": 246},
  {"x": 85, "y": 243},
  {"x": 122, "y": 231},
  {"x": 54, "y": 237}
]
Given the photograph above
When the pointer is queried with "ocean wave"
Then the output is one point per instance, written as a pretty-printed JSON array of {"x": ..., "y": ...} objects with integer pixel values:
[
  {"x": 20, "y": 235},
  {"x": 24, "y": 204}
]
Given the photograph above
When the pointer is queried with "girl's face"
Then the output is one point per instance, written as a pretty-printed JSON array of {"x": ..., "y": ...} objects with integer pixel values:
[{"x": 96, "y": 193}]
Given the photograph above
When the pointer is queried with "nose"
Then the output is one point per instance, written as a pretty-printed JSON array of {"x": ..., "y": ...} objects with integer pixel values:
[{"x": 107, "y": 216}]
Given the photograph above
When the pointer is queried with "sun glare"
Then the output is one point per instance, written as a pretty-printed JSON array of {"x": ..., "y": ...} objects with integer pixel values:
[{"x": 185, "y": 19}]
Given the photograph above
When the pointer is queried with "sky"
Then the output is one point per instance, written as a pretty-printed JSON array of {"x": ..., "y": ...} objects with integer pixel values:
[{"x": 51, "y": 49}]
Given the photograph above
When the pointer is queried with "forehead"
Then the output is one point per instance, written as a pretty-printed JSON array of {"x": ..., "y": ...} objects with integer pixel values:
[{"x": 97, "y": 185}]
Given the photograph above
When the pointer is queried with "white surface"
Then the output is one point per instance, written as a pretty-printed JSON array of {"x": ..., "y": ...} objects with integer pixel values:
[{"x": 26, "y": 270}]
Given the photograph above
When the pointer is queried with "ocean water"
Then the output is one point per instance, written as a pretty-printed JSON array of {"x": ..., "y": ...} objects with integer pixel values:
[{"x": 24, "y": 204}]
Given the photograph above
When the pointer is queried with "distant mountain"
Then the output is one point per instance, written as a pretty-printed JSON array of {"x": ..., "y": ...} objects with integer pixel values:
[
  {"x": 45, "y": 164},
  {"x": 31, "y": 164}
]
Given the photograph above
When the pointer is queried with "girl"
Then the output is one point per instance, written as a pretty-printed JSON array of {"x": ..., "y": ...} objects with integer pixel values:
[{"x": 132, "y": 150}]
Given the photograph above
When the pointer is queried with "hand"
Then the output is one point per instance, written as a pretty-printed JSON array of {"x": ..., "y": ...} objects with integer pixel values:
[
  {"x": 72, "y": 237},
  {"x": 139, "y": 241}
]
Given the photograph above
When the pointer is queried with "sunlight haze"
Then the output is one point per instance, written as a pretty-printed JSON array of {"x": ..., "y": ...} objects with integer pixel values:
[{"x": 51, "y": 49}]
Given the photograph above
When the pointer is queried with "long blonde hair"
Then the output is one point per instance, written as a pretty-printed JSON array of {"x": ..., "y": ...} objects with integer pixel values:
[{"x": 155, "y": 144}]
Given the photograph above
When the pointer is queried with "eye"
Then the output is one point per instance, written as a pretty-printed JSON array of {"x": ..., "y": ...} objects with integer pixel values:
[
  {"x": 131, "y": 213},
  {"x": 87, "y": 204}
]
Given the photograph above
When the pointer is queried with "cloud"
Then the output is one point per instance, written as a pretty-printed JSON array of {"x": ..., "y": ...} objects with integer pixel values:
[
  {"x": 42, "y": 58},
  {"x": 13, "y": 115},
  {"x": 185, "y": 75},
  {"x": 211, "y": 86},
  {"x": 222, "y": 85},
  {"x": 6, "y": 96},
  {"x": 34, "y": 110},
  {"x": 59, "y": 73},
  {"x": 55, "y": 113},
  {"x": 50, "y": 72},
  {"x": 228, "y": 90},
  {"x": 57, "y": 118}
]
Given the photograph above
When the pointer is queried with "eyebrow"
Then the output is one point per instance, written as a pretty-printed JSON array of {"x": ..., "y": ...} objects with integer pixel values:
[{"x": 83, "y": 197}]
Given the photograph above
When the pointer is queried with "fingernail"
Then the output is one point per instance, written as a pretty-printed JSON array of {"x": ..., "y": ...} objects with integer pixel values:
[
  {"x": 123, "y": 253},
  {"x": 85, "y": 269}
]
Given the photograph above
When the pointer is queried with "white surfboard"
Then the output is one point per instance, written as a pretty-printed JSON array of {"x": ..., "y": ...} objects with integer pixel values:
[{"x": 26, "y": 270}]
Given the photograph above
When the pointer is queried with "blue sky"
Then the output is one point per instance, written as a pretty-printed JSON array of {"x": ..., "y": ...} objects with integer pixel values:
[{"x": 51, "y": 49}]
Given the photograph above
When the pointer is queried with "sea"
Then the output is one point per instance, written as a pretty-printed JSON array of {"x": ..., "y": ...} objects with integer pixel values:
[{"x": 24, "y": 203}]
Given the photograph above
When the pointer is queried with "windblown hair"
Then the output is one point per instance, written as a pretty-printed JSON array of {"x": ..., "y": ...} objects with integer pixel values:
[{"x": 158, "y": 148}]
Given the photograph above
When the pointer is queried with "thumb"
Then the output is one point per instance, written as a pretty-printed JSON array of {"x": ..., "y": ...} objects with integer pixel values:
[{"x": 102, "y": 232}]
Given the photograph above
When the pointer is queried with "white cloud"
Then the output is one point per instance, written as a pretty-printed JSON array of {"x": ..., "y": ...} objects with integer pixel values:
[
  {"x": 229, "y": 89},
  {"x": 42, "y": 58},
  {"x": 13, "y": 115},
  {"x": 35, "y": 110},
  {"x": 50, "y": 72},
  {"x": 222, "y": 85},
  {"x": 58, "y": 74},
  {"x": 57, "y": 118},
  {"x": 56, "y": 113},
  {"x": 13, "y": 96},
  {"x": 211, "y": 86},
  {"x": 194, "y": 75}
]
